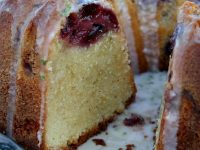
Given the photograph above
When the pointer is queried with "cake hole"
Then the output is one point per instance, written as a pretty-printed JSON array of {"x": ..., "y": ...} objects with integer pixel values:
[
  {"x": 28, "y": 68},
  {"x": 170, "y": 76},
  {"x": 169, "y": 46}
]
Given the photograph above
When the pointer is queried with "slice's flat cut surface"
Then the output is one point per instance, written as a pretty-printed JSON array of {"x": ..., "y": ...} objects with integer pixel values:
[
  {"x": 140, "y": 134},
  {"x": 62, "y": 90}
]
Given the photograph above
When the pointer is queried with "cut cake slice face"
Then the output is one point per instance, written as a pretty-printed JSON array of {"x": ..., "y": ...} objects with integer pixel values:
[
  {"x": 90, "y": 80},
  {"x": 73, "y": 73}
]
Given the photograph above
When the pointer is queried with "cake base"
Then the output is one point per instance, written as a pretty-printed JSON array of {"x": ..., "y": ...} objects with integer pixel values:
[{"x": 93, "y": 131}]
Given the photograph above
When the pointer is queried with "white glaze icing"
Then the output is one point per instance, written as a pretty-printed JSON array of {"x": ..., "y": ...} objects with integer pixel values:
[
  {"x": 16, "y": 34},
  {"x": 48, "y": 41},
  {"x": 149, "y": 26},
  {"x": 171, "y": 124},
  {"x": 121, "y": 4},
  {"x": 190, "y": 23},
  {"x": 188, "y": 35},
  {"x": 49, "y": 22},
  {"x": 12, "y": 72}
]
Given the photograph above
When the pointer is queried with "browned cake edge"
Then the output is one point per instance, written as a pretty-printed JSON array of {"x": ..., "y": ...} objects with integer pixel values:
[
  {"x": 28, "y": 101},
  {"x": 26, "y": 110},
  {"x": 28, "y": 119},
  {"x": 139, "y": 44},
  {"x": 6, "y": 57}
]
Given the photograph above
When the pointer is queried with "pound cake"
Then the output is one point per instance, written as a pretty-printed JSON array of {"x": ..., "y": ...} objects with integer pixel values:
[
  {"x": 149, "y": 27},
  {"x": 131, "y": 25},
  {"x": 64, "y": 71},
  {"x": 179, "y": 121}
]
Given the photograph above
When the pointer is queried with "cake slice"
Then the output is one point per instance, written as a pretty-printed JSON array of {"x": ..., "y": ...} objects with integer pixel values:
[
  {"x": 158, "y": 20},
  {"x": 166, "y": 17},
  {"x": 128, "y": 13},
  {"x": 149, "y": 27},
  {"x": 179, "y": 121},
  {"x": 65, "y": 71}
]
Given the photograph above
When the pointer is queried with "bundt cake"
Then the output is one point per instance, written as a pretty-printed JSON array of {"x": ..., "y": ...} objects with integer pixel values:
[
  {"x": 179, "y": 125},
  {"x": 149, "y": 26},
  {"x": 129, "y": 16},
  {"x": 64, "y": 71}
]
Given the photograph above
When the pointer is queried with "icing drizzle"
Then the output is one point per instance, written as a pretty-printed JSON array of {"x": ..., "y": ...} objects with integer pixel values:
[
  {"x": 149, "y": 26},
  {"x": 187, "y": 36},
  {"x": 129, "y": 34},
  {"x": 17, "y": 35}
]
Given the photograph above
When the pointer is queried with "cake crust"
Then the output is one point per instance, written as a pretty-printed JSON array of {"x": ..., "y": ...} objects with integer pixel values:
[
  {"x": 139, "y": 46},
  {"x": 187, "y": 134},
  {"x": 27, "y": 111},
  {"x": 179, "y": 125},
  {"x": 28, "y": 102},
  {"x": 6, "y": 56}
]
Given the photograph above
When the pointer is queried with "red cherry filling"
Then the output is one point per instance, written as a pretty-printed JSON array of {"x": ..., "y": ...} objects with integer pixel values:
[{"x": 88, "y": 25}]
